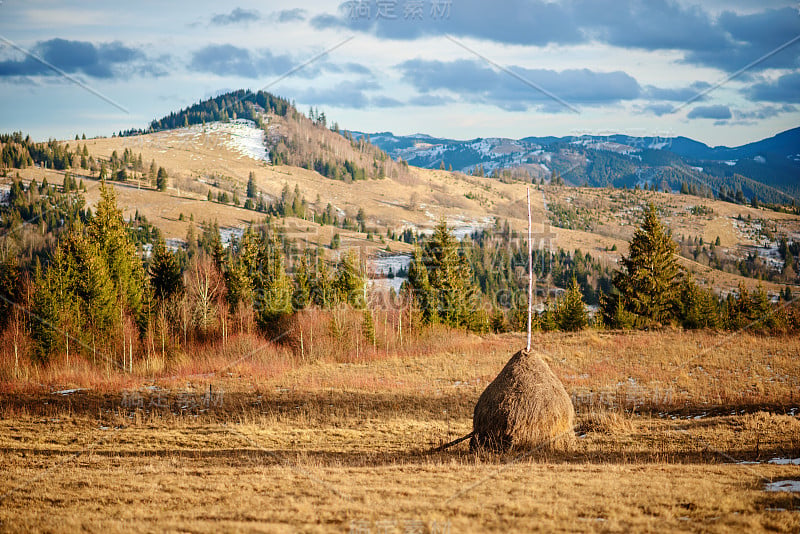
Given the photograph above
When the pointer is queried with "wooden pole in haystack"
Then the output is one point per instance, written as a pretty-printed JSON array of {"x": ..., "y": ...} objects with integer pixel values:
[
  {"x": 526, "y": 406},
  {"x": 530, "y": 272}
]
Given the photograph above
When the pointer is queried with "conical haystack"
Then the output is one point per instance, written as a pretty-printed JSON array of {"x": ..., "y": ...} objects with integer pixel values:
[{"x": 526, "y": 407}]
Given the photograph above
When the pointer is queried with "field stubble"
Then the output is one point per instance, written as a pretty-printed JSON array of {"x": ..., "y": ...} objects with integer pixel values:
[{"x": 675, "y": 431}]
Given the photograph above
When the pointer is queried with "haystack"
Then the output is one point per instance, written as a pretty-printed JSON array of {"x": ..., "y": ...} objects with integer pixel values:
[{"x": 525, "y": 408}]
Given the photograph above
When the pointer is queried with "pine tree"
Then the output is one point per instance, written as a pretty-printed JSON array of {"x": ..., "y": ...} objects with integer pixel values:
[
  {"x": 107, "y": 231},
  {"x": 350, "y": 283},
  {"x": 165, "y": 273},
  {"x": 161, "y": 179},
  {"x": 9, "y": 286},
  {"x": 650, "y": 281},
  {"x": 368, "y": 326},
  {"x": 450, "y": 277},
  {"x": 418, "y": 287},
  {"x": 571, "y": 312},
  {"x": 252, "y": 190},
  {"x": 698, "y": 307},
  {"x": 302, "y": 285},
  {"x": 322, "y": 292},
  {"x": 273, "y": 286}
]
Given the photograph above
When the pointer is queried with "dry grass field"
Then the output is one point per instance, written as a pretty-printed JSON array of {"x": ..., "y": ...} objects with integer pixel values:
[{"x": 676, "y": 431}]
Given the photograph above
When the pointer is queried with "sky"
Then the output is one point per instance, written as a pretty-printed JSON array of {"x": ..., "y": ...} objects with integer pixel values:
[{"x": 722, "y": 72}]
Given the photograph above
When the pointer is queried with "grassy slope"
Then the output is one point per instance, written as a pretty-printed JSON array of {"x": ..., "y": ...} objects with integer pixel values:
[{"x": 419, "y": 199}]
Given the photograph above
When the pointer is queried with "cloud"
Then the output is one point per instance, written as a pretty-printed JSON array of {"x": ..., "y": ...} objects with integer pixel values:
[
  {"x": 681, "y": 94},
  {"x": 348, "y": 94},
  {"x": 342, "y": 95},
  {"x": 474, "y": 81},
  {"x": 381, "y": 101},
  {"x": 658, "y": 109},
  {"x": 512, "y": 21},
  {"x": 648, "y": 24},
  {"x": 718, "y": 112},
  {"x": 237, "y": 16},
  {"x": 785, "y": 89},
  {"x": 751, "y": 37},
  {"x": 429, "y": 100},
  {"x": 765, "y": 112},
  {"x": 290, "y": 15},
  {"x": 728, "y": 41},
  {"x": 101, "y": 60},
  {"x": 229, "y": 60}
]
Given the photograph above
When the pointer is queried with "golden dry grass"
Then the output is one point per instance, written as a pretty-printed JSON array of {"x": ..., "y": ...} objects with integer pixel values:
[{"x": 664, "y": 418}]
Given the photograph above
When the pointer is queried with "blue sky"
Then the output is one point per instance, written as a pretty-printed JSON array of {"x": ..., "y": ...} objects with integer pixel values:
[{"x": 720, "y": 72}]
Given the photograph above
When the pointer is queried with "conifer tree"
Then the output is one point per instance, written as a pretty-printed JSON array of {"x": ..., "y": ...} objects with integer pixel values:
[
  {"x": 350, "y": 283},
  {"x": 572, "y": 313},
  {"x": 165, "y": 273},
  {"x": 252, "y": 190},
  {"x": 419, "y": 288},
  {"x": 650, "y": 281},
  {"x": 302, "y": 285},
  {"x": 107, "y": 231},
  {"x": 273, "y": 287},
  {"x": 450, "y": 276},
  {"x": 9, "y": 285},
  {"x": 698, "y": 306},
  {"x": 161, "y": 179}
]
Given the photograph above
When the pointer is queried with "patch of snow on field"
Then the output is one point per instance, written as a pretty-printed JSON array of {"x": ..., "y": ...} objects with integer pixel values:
[
  {"x": 380, "y": 266},
  {"x": 785, "y": 461},
  {"x": 241, "y": 136},
  {"x": 783, "y": 485}
]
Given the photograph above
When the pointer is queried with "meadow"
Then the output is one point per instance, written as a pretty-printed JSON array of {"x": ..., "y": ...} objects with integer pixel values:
[{"x": 675, "y": 431}]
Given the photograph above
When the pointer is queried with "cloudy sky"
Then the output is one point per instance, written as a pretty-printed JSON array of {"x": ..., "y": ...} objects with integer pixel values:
[{"x": 723, "y": 72}]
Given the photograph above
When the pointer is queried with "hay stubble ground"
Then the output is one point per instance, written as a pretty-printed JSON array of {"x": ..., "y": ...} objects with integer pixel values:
[{"x": 339, "y": 446}]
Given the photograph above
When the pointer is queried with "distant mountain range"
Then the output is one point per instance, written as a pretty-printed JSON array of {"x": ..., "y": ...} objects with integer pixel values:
[{"x": 768, "y": 169}]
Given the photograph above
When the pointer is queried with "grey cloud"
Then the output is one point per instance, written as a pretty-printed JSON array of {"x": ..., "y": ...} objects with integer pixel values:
[
  {"x": 237, "y": 16},
  {"x": 290, "y": 15},
  {"x": 429, "y": 100},
  {"x": 101, "y": 60},
  {"x": 681, "y": 94},
  {"x": 648, "y": 24},
  {"x": 476, "y": 82},
  {"x": 766, "y": 112},
  {"x": 512, "y": 21},
  {"x": 229, "y": 60},
  {"x": 344, "y": 95},
  {"x": 751, "y": 37},
  {"x": 658, "y": 109},
  {"x": 785, "y": 89},
  {"x": 719, "y": 112},
  {"x": 728, "y": 42}
]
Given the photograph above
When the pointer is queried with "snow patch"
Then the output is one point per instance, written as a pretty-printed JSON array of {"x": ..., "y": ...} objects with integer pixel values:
[
  {"x": 785, "y": 461},
  {"x": 792, "y": 486}
]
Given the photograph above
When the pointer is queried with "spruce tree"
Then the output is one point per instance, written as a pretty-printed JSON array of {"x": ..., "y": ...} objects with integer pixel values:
[
  {"x": 302, "y": 285},
  {"x": 418, "y": 287},
  {"x": 161, "y": 179},
  {"x": 450, "y": 276},
  {"x": 252, "y": 190},
  {"x": 273, "y": 286},
  {"x": 165, "y": 273},
  {"x": 350, "y": 283},
  {"x": 650, "y": 280},
  {"x": 108, "y": 232},
  {"x": 571, "y": 312}
]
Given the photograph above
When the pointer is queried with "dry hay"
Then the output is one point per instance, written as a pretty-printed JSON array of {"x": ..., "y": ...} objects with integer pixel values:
[{"x": 525, "y": 408}]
